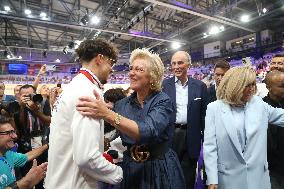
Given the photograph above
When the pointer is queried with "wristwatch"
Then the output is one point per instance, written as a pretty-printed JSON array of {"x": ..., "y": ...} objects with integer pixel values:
[{"x": 117, "y": 120}]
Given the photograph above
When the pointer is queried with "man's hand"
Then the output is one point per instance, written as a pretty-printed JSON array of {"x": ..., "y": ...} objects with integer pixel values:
[
  {"x": 213, "y": 186},
  {"x": 34, "y": 176},
  {"x": 26, "y": 101},
  {"x": 42, "y": 70},
  {"x": 32, "y": 106}
]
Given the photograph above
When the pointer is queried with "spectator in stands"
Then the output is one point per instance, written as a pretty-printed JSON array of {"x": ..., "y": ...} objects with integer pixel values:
[
  {"x": 275, "y": 143},
  {"x": 10, "y": 160},
  {"x": 44, "y": 91},
  {"x": 41, "y": 72},
  {"x": 220, "y": 68},
  {"x": 53, "y": 96},
  {"x": 235, "y": 141},
  {"x": 6, "y": 97},
  {"x": 76, "y": 142},
  {"x": 17, "y": 92},
  {"x": 31, "y": 122},
  {"x": 277, "y": 63},
  {"x": 144, "y": 121}
]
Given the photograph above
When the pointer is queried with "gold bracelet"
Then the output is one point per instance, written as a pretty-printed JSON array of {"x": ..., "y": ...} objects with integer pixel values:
[{"x": 117, "y": 120}]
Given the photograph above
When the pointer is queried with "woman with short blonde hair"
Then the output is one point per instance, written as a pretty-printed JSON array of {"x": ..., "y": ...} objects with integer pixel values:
[
  {"x": 155, "y": 68},
  {"x": 234, "y": 82},
  {"x": 235, "y": 136}
]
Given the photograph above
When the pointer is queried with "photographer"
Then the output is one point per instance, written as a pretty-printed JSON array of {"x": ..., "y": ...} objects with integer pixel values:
[{"x": 31, "y": 122}]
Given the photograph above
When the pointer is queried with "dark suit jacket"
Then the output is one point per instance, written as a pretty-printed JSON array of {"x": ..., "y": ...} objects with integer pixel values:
[
  {"x": 196, "y": 109},
  {"x": 212, "y": 93}
]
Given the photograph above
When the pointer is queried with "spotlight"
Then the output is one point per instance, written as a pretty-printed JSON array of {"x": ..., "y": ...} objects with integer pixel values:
[
  {"x": 7, "y": 8},
  {"x": 9, "y": 56},
  {"x": 245, "y": 18},
  {"x": 176, "y": 45},
  {"x": 85, "y": 19},
  {"x": 95, "y": 20},
  {"x": 42, "y": 15},
  {"x": 264, "y": 10},
  {"x": 205, "y": 35},
  {"x": 222, "y": 28},
  {"x": 57, "y": 60},
  {"x": 214, "y": 30},
  {"x": 28, "y": 12},
  {"x": 20, "y": 57}
]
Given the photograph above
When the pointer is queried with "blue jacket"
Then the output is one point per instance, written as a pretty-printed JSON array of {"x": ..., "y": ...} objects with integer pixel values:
[{"x": 226, "y": 163}]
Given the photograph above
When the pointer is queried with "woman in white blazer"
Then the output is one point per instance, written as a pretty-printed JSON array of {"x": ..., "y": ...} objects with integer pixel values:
[{"x": 235, "y": 140}]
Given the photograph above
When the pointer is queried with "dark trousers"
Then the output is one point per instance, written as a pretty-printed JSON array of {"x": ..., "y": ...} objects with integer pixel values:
[
  {"x": 277, "y": 180},
  {"x": 188, "y": 164}
]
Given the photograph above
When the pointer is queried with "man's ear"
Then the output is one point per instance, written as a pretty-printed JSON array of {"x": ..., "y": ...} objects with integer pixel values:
[{"x": 97, "y": 60}]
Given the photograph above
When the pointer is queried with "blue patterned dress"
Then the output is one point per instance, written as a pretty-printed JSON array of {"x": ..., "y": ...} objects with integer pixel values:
[{"x": 156, "y": 129}]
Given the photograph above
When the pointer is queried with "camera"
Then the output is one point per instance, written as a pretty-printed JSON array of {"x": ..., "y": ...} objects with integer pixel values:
[
  {"x": 10, "y": 107},
  {"x": 36, "y": 98}
]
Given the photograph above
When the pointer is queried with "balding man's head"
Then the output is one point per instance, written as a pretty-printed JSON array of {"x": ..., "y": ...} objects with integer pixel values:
[
  {"x": 275, "y": 84},
  {"x": 182, "y": 55},
  {"x": 180, "y": 63}
]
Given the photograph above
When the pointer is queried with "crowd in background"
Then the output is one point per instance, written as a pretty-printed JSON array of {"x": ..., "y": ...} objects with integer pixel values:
[{"x": 154, "y": 116}]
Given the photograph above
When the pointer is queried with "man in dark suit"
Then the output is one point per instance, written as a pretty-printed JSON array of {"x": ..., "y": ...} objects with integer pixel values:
[
  {"x": 275, "y": 144},
  {"x": 190, "y": 99},
  {"x": 220, "y": 68}
]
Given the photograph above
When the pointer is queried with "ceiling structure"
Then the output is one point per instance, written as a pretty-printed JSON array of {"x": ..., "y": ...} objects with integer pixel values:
[{"x": 129, "y": 24}]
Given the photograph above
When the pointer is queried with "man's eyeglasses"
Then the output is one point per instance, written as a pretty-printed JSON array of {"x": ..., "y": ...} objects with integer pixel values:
[
  {"x": 111, "y": 61},
  {"x": 136, "y": 69},
  {"x": 10, "y": 133}
]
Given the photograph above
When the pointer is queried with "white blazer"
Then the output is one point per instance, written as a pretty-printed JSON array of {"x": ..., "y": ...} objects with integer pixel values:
[
  {"x": 226, "y": 164},
  {"x": 75, "y": 159}
]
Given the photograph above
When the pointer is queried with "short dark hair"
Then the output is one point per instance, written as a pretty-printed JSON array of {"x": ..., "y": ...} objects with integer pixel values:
[
  {"x": 5, "y": 119},
  {"x": 114, "y": 95},
  {"x": 222, "y": 64},
  {"x": 26, "y": 86},
  {"x": 278, "y": 56},
  {"x": 90, "y": 48}
]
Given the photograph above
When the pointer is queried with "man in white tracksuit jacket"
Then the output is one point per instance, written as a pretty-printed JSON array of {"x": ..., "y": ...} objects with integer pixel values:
[{"x": 76, "y": 142}]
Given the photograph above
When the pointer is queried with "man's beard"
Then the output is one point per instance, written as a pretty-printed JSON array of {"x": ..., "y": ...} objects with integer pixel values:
[{"x": 103, "y": 81}]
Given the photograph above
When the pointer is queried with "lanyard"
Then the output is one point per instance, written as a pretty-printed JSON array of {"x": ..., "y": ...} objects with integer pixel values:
[
  {"x": 90, "y": 76},
  {"x": 11, "y": 168}
]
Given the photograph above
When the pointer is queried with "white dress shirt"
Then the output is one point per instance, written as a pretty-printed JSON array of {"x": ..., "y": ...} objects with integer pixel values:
[
  {"x": 181, "y": 101},
  {"x": 75, "y": 159}
]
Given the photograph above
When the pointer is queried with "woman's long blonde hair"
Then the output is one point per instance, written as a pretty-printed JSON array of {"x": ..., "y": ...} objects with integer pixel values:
[{"x": 231, "y": 87}]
